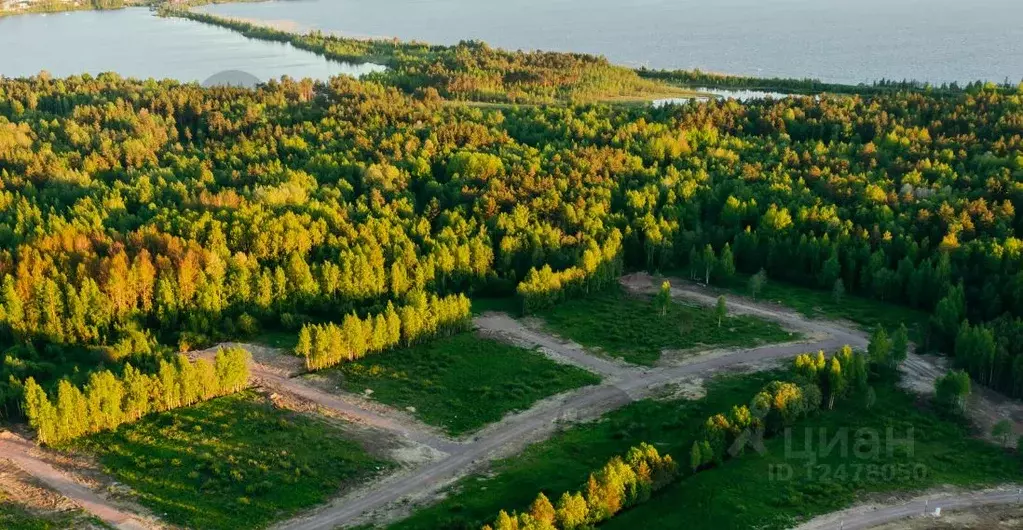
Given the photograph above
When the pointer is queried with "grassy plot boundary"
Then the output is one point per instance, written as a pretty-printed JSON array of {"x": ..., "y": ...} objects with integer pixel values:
[
  {"x": 563, "y": 462},
  {"x": 13, "y": 516},
  {"x": 632, "y": 328},
  {"x": 230, "y": 463},
  {"x": 868, "y": 313},
  {"x": 746, "y": 491},
  {"x": 459, "y": 383},
  {"x": 829, "y": 462}
]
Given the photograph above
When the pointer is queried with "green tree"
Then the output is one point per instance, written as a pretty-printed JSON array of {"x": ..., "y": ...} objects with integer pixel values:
[
  {"x": 949, "y": 313},
  {"x": 900, "y": 346},
  {"x": 838, "y": 291},
  {"x": 695, "y": 457},
  {"x": 757, "y": 282},
  {"x": 880, "y": 348},
  {"x": 726, "y": 263},
  {"x": 694, "y": 262},
  {"x": 572, "y": 511},
  {"x": 1001, "y": 431},
  {"x": 721, "y": 311},
  {"x": 663, "y": 299},
  {"x": 837, "y": 382},
  {"x": 42, "y": 415},
  {"x": 869, "y": 398},
  {"x": 708, "y": 452},
  {"x": 708, "y": 261},
  {"x": 831, "y": 272},
  {"x": 304, "y": 345},
  {"x": 952, "y": 389},
  {"x": 138, "y": 393}
]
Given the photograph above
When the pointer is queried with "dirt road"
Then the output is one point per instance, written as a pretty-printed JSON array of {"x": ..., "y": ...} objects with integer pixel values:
[
  {"x": 863, "y": 517},
  {"x": 622, "y": 385},
  {"x": 515, "y": 331},
  {"x": 23, "y": 454},
  {"x": 350, "y": 407}
]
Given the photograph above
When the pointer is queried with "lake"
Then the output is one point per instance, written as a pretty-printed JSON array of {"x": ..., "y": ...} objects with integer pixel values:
[
  {"x": 848, "y": 41},
  {"x": 136, "y": 43}
]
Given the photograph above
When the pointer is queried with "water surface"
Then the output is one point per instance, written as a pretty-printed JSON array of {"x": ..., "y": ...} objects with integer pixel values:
[
  {"x": 135, "y": 43},
  {"x": 739, "y": 95},
  {"x": 847, "y": 41}
]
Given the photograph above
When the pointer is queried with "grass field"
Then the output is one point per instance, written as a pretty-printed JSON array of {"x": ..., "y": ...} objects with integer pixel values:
[
  {"x": 741, "y": 493},
  {"x": 233, "y": 462},
  {"x": 461, "y": 383},
  {"x": 756, "y": 491},
  {"x": 563, "y": 462},
  {"x": 15, "y": 517},
  {"x": 631, "y": 328},
  {"x": 866, "y": 312}
]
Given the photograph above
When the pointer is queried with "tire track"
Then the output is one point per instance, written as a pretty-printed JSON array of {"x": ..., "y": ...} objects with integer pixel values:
[{"x": 22, "y": 453}]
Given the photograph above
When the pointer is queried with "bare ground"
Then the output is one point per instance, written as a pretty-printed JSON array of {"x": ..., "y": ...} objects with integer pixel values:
[
  {"x": 984, "y": 407},
  {"x": 432, "y": 461},
  {"x": 622, "y": 385},
  {"x": 530, "y": 333},
  {"x": 78, "y": 489},
  {"x": 921, "y": 508},
  {"x": 28, "y": 493},
  {"x": 981, "y": 518}
]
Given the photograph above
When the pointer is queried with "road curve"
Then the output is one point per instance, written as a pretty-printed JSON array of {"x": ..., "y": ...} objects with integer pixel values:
[
  {"x": 864, "y": 518},
  {"x": 622, "y": 384},
  {"x": 21, "y": 452},
  {"x": 420, "y": 434},
  {"x": 622, "y": 387}
]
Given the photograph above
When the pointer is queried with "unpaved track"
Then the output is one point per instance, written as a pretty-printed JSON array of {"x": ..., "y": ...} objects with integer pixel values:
[
  {"x": 22, "y": 453},
  {"x": 349, "y": 407},
  {"x": 622, "y": 385},
  {"x": 861, "y": 518},
  {"x": 352, "y": 407},
  {"x": 838, "y": 333},
  {"x": 512, "y": 330}
]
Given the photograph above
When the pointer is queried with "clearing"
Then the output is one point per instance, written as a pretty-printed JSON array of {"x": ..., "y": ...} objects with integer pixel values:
[
  {"x": 784, "y": 486},
  {"x": 815, "y": 303},
  {"x": 563, "y": 462},
  {"x": 232, "y": 462},
  {"x": 629, "y": 327},
  {"x": 27, "y": 505},
  {"x": 744, "y": 492},
  {"x": 460, "y": 383}
]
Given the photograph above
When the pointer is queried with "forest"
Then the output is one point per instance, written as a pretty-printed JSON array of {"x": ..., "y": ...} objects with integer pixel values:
[
  {"x": 141, "y": 218},
  {"x": 809, "y": 85},
  {"x": 468, "y": 71}
]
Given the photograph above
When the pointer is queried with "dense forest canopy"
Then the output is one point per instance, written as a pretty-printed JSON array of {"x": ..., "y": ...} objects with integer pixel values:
[{"x": 139, "y": 217}]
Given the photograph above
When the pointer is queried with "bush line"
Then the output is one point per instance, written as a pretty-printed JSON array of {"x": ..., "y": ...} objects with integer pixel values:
[{"x": 108, "y": 400}]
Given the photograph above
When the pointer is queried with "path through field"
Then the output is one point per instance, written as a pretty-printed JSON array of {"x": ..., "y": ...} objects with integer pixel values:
[
  {"x": 23, "y": 454},
  {"x": 869, "y": 516},
  {"x": 621, "y": 384}
]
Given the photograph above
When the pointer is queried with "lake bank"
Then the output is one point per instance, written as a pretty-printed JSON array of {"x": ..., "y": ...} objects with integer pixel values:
[
  {"x": 134, "y": 42},
  {"x": 835, "y": 41}
]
